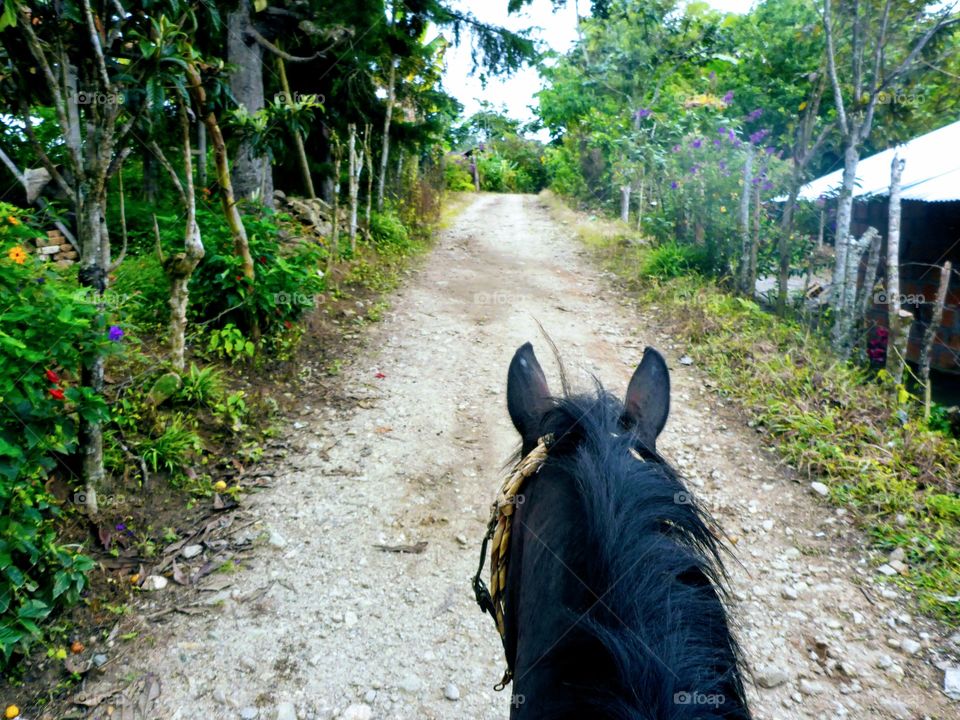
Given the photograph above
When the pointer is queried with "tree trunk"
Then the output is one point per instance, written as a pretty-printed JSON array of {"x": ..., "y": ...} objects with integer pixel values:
[
  {"x": 201, "y": 155},
  {"x": 368, "y": 157},
  {"x": 930, "y": 333},
  {"x": 745, "y": 235},
  {"x": 297, "y": 137},
  {"x": 843, "y": 314},
  {"x": 783, "y": 242},
  {"x": 334, "y": 250},
  {"x": 388, "y": 117},
  {"x": 180, "y": 267},
  {"x": 355, "y": 166},
  {"x": 252, "y": 174},
  {"x": 222, "y": 164},
  {"x": 870, "y": 276},
  {"x": 894, "y": 360},
  {"x": 625, "y": 191},
  {"x": 755, "y": 244},
  {"x": 640, "y": 202}
]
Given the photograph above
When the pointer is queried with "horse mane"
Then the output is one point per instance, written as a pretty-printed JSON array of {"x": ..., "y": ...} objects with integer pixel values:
[{"x": 650, "y": 552}]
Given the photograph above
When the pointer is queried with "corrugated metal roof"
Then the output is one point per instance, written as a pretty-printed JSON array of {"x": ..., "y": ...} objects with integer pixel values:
[{"x": 931, "y": 172}]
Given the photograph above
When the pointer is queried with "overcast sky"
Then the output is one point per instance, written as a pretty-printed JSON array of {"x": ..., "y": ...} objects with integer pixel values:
[{"x": 558, "y": 30}]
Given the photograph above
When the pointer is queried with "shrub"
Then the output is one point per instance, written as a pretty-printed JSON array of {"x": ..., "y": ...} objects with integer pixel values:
[
  {"x": 287, "y": 276},
  {"x": 672, "y": 260},
  {"x": 456, "y": 175},
  {"x": 45, "y": 321}
]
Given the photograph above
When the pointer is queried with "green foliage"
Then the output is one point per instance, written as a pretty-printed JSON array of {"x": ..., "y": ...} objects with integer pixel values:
[
  {"x": 46, "y": 327},
  {"x": 202, "y": 386},
  {"x": 288, "y": 276},
  {"x": 457, "y": 177},
  {"x": 172, "y": 449},
  {"x": 230, "y": 343},
  {"x": 672, "y": 260}
]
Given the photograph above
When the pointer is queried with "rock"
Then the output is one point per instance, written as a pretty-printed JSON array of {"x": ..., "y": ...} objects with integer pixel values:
[
  {"x": 462, "y": 539},
  {"x": 286, "y": 711},
  {"x": 369, "y": 696},
  {"x": 898, "y": 555},
  {"x": 910, "y": 646},
  {"x": 248, "y": 713},
  {"x": 886, "y": 570},
  {"x": 686, "y": 360},
  {"x": 951, "y": 682},
  {"x": 164, "y": 388},
  {"x": 897, "y": 709},
  {"x": 820, "y": 489},
  {"x": 772, "y": 677},
  {"x": 191, "y": 551},
  {"x": 350, "y": 618},
  {"x": 99, "y": 660},
  {"x": 451, "y": 692},
  {"x": 788, "y": 592},
  {"x": 410, "y": 684},
  {"x": 248, "y": 663},
  {"x": 357, "y": 711},
  {"x": 811, "y": 687},
  {"x": 154, "y": 582},
  {"x": 900, "y": 567},
  {"x": 276, "y": 539}
]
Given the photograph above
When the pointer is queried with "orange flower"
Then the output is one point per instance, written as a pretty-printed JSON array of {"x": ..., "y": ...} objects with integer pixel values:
[
  {"x": 17, "y": 254},
  {"x": 13, "y": 220}
]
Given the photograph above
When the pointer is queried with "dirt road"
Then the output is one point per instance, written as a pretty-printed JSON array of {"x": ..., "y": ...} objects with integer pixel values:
[{"x": 322, "y": 623}]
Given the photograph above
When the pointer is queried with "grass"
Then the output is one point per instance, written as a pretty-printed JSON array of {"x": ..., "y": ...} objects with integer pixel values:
[{"x": 829, "y": 419}]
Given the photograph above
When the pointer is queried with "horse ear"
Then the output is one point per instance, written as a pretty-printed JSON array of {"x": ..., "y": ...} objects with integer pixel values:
[
  {"x": 528, "y": 396},
  {"x": 648, "y": 397}
]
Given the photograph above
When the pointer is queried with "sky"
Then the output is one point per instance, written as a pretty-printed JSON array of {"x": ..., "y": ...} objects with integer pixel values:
[{"x": 557, "y": 29}]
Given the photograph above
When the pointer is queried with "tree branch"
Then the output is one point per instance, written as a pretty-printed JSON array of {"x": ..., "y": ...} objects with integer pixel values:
[{"x": 267, "y": 45}]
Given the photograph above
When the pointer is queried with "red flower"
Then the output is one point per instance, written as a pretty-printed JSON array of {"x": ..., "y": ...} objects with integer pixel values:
[
  {"x": 287, "y": 324},
  {"x": 379, "y": 376},
  {"x": 52, "y": 376},
  {"x": 56, "y": 393},
  {"x": 239, "y": 278}
]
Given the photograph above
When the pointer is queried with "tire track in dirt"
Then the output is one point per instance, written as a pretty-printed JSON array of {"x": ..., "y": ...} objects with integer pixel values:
[{"x": 343, "y": 629}]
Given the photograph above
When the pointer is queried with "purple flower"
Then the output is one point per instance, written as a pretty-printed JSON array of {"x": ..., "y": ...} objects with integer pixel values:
[
  {"x": 121, "y": 527},
  {"x": 723, "y": 164},
  {"x": 754, "y": 114},
  {"x": 697, "y": 143},
  {"x": 731, "y": 134},
  {"x": 770, "y": 150},
  {"x": 728, "y": 98},
  {"x": 643, "y": 113},
  {"x": 674, "y": 185},
  {"x": 767, "y": 185},
  {"x": 758, "y": 136},
  {"x": 676, "y": 148},
  {"x": 693, "y": 170},
  {"x": 115, "y": 333},
  {"x": 716, "y": 143}
]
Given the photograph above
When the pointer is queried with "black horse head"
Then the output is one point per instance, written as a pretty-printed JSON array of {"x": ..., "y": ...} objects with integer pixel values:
[{"x": 614, "y": 600}]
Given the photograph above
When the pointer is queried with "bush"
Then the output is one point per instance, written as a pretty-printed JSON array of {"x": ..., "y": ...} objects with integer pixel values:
[
  {"x": 456, "y": 175},
  {"x": 672, "y": 260},
  {"x": 46, "y": 326},
  {"x": 287, "y": 277}
]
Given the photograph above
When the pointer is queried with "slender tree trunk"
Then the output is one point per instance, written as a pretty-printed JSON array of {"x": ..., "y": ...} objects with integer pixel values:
[
  {"x": 334, "y": 249},
  {"x": 355, "y": 166},
  {"x": 228, "y": 202},
  {"x": 180, "y": 267},
  {"x": 297, "y": 137},
  {"x": 745, "y": 289},
  {"x": 388, "y": 117},
  {"x": 843, "y": 314},
  {"x": 201, "y": 155},
  {"x": 755, "y": 244},
  {"x": 930, "y": 333},
  {"x": 870, "y": 276},
  {"x": 640, "y": 201},
  {"x": 895, "y": 360},
  {"x": 368, "y": 157},
  {"x": 625, "y": 203},
  {"x": 783, "y": 242}
]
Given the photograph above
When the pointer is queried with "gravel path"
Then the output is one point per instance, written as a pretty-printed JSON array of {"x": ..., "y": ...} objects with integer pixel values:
[{"x": 322, "y": 623}]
